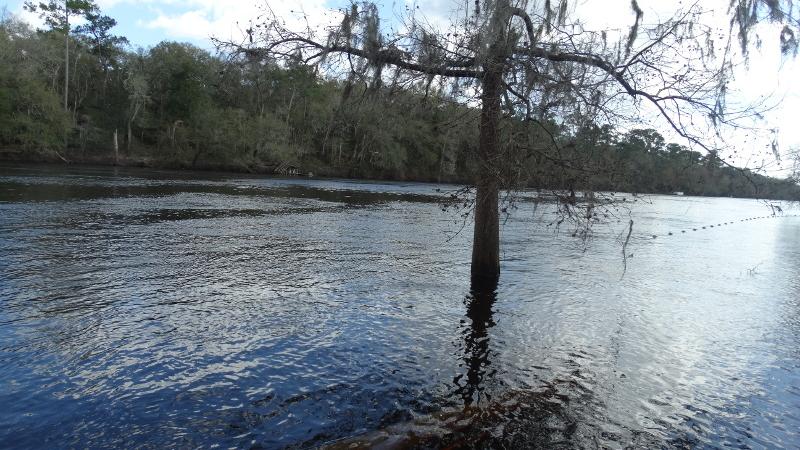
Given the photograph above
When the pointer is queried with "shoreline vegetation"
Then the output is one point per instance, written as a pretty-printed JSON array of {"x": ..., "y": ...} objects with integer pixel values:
[
  {"x": 10, "y": 158},
  {"x": 177, "y": 106},
  {"x": 780, "y": 189}
]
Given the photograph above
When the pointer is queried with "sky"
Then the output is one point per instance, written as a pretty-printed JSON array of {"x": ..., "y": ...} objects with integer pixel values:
[{"x": 148, "y": 22}]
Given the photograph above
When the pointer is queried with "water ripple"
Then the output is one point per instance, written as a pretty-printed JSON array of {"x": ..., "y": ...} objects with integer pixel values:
[{"x": 154, "y": 309}]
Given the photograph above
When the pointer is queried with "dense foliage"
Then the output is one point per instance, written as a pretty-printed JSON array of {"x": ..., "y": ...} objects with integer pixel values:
[{"x": 177, "y": 105}]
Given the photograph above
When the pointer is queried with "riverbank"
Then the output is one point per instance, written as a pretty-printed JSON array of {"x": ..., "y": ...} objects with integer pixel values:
[
  {"x": 79, "y": 158},
  {"x": 76, "y": 157},
  {"x": 149, "y": 159}
]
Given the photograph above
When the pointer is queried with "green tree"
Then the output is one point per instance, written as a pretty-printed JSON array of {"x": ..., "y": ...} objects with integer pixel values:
[
  {"x": 181, "y": 76},
  {"x": 30, "y": 115},
  {"x": 56, "y": 15}
]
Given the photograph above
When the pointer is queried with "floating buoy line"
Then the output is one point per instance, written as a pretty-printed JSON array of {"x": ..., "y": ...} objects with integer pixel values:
[{"x": 720, "y": 225}]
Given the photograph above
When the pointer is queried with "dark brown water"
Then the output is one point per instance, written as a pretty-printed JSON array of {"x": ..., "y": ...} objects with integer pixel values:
[{"x": 145, "y": 309}]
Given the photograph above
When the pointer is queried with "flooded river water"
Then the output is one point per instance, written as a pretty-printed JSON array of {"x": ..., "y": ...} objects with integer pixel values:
[{"x": 146, "y": 309}]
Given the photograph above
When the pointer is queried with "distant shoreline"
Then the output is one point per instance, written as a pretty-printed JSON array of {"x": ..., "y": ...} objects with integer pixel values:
[
  {"x": 12, "y": 157},
  {"x": 15, "y": 156}
]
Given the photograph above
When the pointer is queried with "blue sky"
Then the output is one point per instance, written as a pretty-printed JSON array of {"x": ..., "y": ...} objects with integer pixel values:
[
  {"x": 131, "y": 18},
  {"x": 147, "y": 22}
]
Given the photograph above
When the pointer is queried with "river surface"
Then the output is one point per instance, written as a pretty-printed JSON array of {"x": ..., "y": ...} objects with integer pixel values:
[{"x": 149, "y": 309}]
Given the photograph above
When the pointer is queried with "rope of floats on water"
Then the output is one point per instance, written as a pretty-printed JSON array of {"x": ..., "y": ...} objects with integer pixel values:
[{"x": 720, "y": 225}]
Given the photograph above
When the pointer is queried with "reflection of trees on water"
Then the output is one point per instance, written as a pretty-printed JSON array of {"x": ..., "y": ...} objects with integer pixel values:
[
  {"x": 561, "y": 411},
  {"x": 477, "y": 352},
  {"x": 557, "y": 412}
]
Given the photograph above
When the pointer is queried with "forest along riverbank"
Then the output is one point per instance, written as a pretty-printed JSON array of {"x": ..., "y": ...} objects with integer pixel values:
[
  {"x": 178, "y": 106},
  {"x": 157, "y": 308},
  {"x": 767, "y": 188}
]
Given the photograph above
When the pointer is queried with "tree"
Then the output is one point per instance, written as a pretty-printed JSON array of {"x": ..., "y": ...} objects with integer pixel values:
[
  {"x": 137, "y": 87},
  {"x": 180, "y": 78},
  {"x": 529, "y": 61},
  {"x": 56, "y": 16},
  {"x": 30, "y": 115},
  {"x": 102, "y": 44}
]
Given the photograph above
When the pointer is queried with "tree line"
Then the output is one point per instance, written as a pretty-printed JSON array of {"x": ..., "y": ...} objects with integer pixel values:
[{"x": 82, "y": 94}]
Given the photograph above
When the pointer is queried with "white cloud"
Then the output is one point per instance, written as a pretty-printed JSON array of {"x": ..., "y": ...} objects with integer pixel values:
[
  {"x": 29, "y": 17},
  {"x": 191, "y": 24},
  {"x": 199, "y": 19},
  {"x": 440, "y": 14}
]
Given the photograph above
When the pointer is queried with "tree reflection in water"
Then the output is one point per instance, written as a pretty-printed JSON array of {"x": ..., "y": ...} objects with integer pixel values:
[{"x": 477, "y": 352}]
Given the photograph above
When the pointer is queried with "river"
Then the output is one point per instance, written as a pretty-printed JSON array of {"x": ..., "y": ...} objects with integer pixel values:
[{"x": 153, "y": 309}]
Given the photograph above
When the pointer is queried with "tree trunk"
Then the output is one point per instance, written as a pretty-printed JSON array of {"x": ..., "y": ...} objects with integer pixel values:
[
  {"x": 66, "y": 69},
  {"x": 66, "y": 58},
  {"x": 486, "y": 238},
  {"x": 130, "y": 122},
  {"x": 289, "y": 109},
  {"x": 116, "y": 148}
]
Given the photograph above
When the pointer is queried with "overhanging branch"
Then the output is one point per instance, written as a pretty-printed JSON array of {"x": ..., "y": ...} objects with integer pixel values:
[{"x": 386, "y": 56}]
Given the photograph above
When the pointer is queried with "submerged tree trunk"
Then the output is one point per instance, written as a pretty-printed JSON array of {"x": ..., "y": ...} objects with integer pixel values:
[{"x": 486, "y": 238}]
